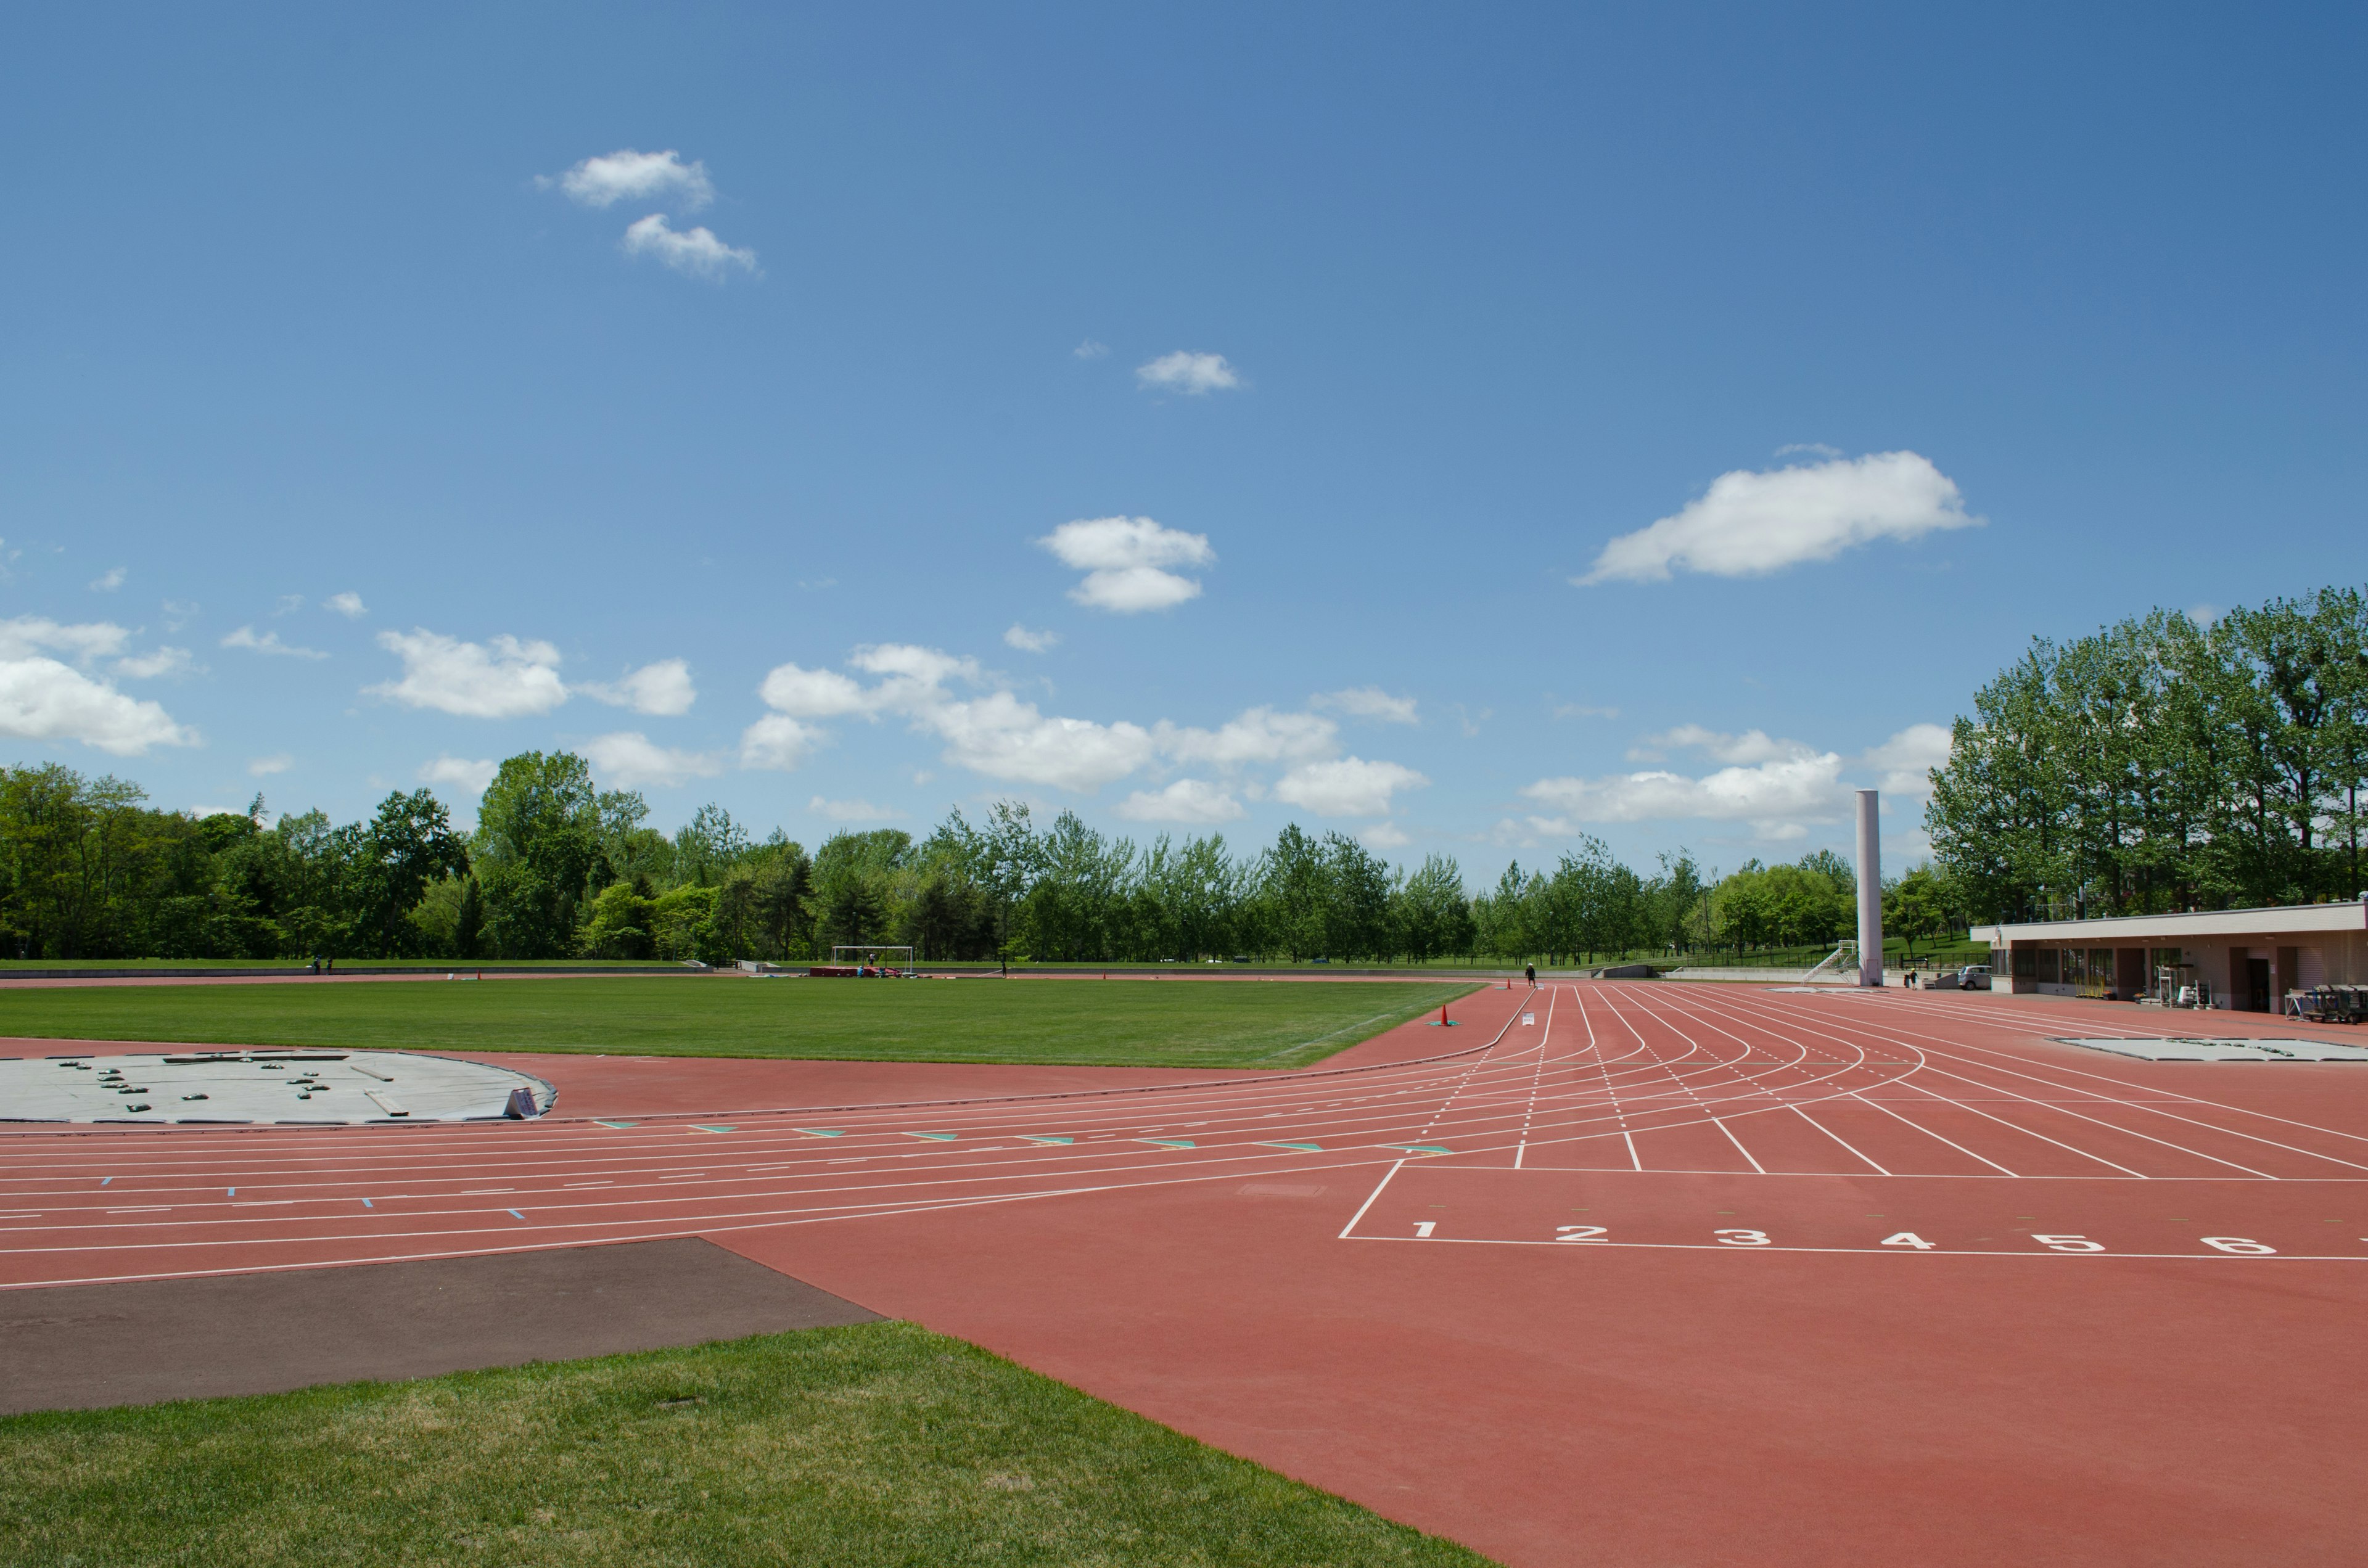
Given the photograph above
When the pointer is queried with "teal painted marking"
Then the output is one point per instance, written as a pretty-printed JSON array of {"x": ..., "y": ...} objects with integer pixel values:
[
  {"x": 1033, "y": 1138},
  {"x": 515, "y": 1215},
  {"x": 822, "y": 1131},
  {"x": 1419, "y": 1148},
  {"x": 368, "y": 1204},
  {"x": 710, "y": 1130},
  {"x": 597, "y": 1123},
  {"x": 1310, "y": 1148},
  {"x": 940, "y": 1137},
  {"x": 1168, "y": 1143}
]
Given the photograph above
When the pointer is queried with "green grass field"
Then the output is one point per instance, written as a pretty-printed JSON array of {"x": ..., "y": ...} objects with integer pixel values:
[
  {"x": 878, "y": 1444},
  {"x": 1134, "y": 1023}
]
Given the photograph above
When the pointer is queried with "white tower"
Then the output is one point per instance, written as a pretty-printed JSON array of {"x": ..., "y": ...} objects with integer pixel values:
[{"x": 1869, "y": 889}]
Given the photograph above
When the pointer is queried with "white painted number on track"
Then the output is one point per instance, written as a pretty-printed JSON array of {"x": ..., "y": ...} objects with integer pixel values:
[
  {"x": 1423, "y": 1227},
  {"x": 1578, "y": 1232},
  {"x": 1741, "y": 1238},
  {"x": 2240, "y": 1246},
  {"x": 1910, "y": 1239},
  {"x": 2069, "y": 1244}
]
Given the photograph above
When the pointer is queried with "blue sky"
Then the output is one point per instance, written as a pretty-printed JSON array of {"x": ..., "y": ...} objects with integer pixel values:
[{"x": 1465, "y": 428}]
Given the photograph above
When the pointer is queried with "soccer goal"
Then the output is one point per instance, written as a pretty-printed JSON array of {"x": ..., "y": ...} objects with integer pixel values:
[{"x": 894, "y": 960}]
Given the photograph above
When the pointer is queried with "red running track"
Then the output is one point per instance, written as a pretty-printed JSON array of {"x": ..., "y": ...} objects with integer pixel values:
[{"x": 1657, "y": 1273}]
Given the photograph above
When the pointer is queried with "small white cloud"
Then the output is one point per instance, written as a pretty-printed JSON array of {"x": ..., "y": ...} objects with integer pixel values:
[
  {"x": 1385, "y": 836},
  {"x": 1259, "y": 735},
  {"x": 1369, "y": 702},
  {"x": 348, "y": 604},
  {"x": 508, "y": 680},
  {"x": 2205, "y": 614},
  {"x": 1819, "y": 448},
  {"x": 1350, "y": 787},
  {"x": 663, "y": 687},
  {"x": 630, "y": 175},
  {"x": 852, "y": 810},
  {"x": 1005, "y": 738},
  {"x": 460, "y": 772},
  {"x": 1749, "y": 524},
  {"x": 1029, "y": 641},
  {"x": 264, "y": 766},
  {"x": 812, "y": 694},
  {"x": 157, "y": 661},
  {"x": 42, "y": 699},
  {"x": 85, "y": 641},
  {"x": 1806, "y": 787},
  {"x": 288, "y": 604},
  {"x": 1903, "y": 765},
  {"x": 177, "y": 613},
  {"x": 1191, "y": 802},
  {"x": 269, "y": 642},
  {"x": 1191, "y": 374},
  {"x": 108, "y": 581},
  {"x": 695, "y": 252},
  {"x": 778, "y": 743},
  {"x": 630, "y": 759},
  {"x": 1752, "y": 745},
  {"x": 1089, "y": 349},
  {"x": 1126, "y": 561},
  {"x": 913, "y": 674}
]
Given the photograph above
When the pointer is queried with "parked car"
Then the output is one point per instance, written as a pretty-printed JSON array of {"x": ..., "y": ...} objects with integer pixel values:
[{"x": 1973, "y": 977}]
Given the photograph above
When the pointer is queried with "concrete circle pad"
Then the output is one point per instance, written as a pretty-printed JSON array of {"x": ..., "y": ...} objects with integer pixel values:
[{"x": 289, "y": 1087}]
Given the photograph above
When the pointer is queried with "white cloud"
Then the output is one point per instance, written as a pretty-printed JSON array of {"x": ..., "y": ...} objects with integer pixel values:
[
  {"x": 1005, "y": 738},
  {"x": 696, "y": 253},
  {"x": 1350, "y": 787},
  {"x": 1385, "y": 836},
  {"x": 1752, "y": 745},
  {"x": 90, "y": 640},
  {"x": 1903, "y": 765},
  {"x": 663, "y": 687},
  {"x": 348, "y": 604},
  {"x": 177, "y": 613},
  {"x": 157, "y": 661},
  {"x": 42, "y": 699},
  {"x": 269, "y": 642},
  {"x": 1369, "y": 702},
  {"x": 1191, "y": 802},
  {"x": 459, "y": 772},
  {"x": 264, "y": 766},
  {"x": 1191, "y": 374},
  {"x": 778, "y": 743},
  {"x": 1819, "y": 448},
  {"x": 1777, "y": 786},
  {"x": 108, "y": 581},
  {"x": 1029, "y": 641},
  {"x": 1089, "y": 349},
  {"x": 507, "y": 680},
  {"x": 1791, "y": 789},
  {"x": 629, "y": 759},
  {"x": 630, "y": 175},
  {"x": 288, "y": 604},
  {"x": 811, "y": 694},
  {"x": 914, "y": 674},
  {"x": 1259, "y": 735},
  {"x": 1749, "y": 524},
  {"x": 852, "y": 811},
  {"x": 1125, "y": 562}
]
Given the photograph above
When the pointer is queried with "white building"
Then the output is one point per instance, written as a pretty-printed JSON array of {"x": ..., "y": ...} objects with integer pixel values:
[{"x": 2248, "y": 958}]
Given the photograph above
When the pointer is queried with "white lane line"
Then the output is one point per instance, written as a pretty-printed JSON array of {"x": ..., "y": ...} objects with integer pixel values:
[{"x": 1386, "y": 1178}]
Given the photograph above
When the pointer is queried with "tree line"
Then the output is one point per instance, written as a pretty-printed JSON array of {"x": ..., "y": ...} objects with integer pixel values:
[
  {"x": 2163, "y": 764},
  {"x": 558, "y": 868}
]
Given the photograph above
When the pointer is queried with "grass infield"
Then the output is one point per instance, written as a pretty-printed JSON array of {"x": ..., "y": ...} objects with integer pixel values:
[
  {"x": 882, "y": 1444},
  {"x": 1128, "y": 1023}
]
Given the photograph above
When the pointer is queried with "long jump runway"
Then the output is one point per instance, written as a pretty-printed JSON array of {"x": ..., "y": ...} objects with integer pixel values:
[{"x": 1611, "y": 1273}]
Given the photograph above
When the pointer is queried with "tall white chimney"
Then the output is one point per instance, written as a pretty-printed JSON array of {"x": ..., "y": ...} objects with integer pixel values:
[{"x": 1869, "y": 887}]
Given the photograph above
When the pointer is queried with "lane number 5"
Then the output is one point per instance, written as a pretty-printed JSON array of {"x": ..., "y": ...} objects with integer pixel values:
[{"x": 2069, "y": 1244}]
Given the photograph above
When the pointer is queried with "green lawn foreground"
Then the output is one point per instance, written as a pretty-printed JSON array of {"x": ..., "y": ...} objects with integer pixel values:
[
  {"x": 1132, "y": 1023},
  {"x": 877, "y": 1445}
]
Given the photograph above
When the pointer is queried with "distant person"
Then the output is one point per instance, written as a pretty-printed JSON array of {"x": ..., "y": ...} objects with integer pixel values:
[{"x": 1529, "y": 973}]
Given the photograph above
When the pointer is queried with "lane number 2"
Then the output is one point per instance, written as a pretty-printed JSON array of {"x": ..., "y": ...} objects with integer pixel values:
[{"x": 1578, "y": 1232}]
